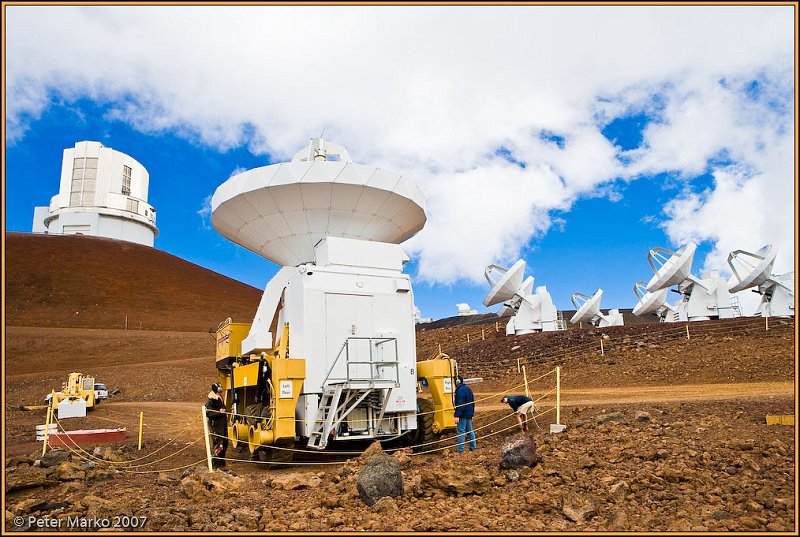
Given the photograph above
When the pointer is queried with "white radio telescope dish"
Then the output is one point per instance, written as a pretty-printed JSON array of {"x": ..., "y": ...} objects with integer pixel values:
[
  {"x": 648, "y": 302},
  {"x": 505, "y": 282},
  {"x": 674, "y": 269},
  {"x": 532, "y": 311},
  {"x": 750, "y": 270},
  {"x": 283, "y": 210},
  {"x": 588, "y": 307}
]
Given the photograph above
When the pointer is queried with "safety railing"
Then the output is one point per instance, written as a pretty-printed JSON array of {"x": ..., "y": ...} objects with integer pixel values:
[{"x": 376, "y": 363}]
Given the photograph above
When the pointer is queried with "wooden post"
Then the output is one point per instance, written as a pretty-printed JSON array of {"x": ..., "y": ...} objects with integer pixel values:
[
  {"x": 440, "y": 348},
  {"x": 483, "y": 335},
  {"x": 525, "y": 376},
  {"x": 208, "y": 441},
  {"x": 766, "y": 322},
  {"x": 47, "y": 427},
  {"x": 558, "y": 395},
  {"x": 141, "y": 422},
  {"x": 602, "y": 352},
  {"x": 687, "y": 332},
  {"x": 518, "y": 369},
  {"x": 496, "y": 326},
  {"x": 126, "y": 322},
  {"x": 467, "y": 338}
]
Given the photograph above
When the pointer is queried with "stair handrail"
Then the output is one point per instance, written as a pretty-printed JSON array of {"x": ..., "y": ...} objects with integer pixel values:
[
  {"x": 372, "y": 362},
  {"x": 339, "y": 355}
]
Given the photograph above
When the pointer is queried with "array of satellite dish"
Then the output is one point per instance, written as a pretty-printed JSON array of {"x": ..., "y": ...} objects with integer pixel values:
[
  {"x": 701, "y": 298},
  {"x": 533, "y": 311},
  {"x": 708, "y": 297},
  {"x": 588, "y": 310}
]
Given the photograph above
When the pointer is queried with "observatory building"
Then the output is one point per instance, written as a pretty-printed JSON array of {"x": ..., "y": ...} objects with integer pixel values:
[
  {"x": 103, "y": 192},
  {"x": 419, "y": 319},
  {"x": 464, "y": 310}
]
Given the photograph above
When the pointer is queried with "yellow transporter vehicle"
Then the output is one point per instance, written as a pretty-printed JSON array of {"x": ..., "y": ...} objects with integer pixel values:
[
  {"x": 261, "y": 393},
  {"x": 75, "y": 398}
]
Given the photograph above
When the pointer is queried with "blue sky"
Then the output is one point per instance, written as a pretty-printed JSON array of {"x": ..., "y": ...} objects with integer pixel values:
[{"x": 518, "y": 156}]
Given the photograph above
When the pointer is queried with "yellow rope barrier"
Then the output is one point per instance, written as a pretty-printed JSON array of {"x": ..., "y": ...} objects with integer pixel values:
[
  {"x": 89, "y": 457},
  {"x": 187, "y": 446},
  {"x": 247, "y": 416},
  {"x": 433, "y": 442},
  {"x": 201, "y": 461},
  {"x": 126, "y": 470}
]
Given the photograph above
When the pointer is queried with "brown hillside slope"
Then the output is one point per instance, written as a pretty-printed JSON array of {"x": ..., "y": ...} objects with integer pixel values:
[{"x": 93, "y": 282}]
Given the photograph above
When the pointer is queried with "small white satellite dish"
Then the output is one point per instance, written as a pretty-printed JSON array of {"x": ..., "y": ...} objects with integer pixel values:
[
  {"x": 674, "y": 269},
  {"x": 750, "y": 270},
  {"x": 648, "y": 302},
  {"x": 505, "y": 282},
  {"x": 588, "y": 307}
]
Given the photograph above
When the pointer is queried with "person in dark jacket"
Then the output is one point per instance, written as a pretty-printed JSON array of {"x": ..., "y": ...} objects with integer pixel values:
[
  {"x": 521, "y": 405},
  {"x": 465, "y": 410},
  {"x": 217, "y": 424}
]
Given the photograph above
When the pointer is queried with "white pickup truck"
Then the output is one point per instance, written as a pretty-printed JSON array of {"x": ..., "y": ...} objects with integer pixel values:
[{"x": 100, "y": 392}]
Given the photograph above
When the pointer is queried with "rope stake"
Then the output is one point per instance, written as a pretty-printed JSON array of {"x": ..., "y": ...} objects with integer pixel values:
[
  {"x": 141, "y": 422},
  {"x": 208, "y": 440}
]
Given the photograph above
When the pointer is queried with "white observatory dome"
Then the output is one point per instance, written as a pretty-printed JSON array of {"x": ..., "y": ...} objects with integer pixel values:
[{"x": 283, "y": 210}]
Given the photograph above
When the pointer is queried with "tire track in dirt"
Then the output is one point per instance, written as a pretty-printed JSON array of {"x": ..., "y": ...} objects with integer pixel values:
[{"x": 662, "y": 394}]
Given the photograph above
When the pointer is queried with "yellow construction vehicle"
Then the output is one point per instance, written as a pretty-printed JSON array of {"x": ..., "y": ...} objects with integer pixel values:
[
  {"x": 261, "y": 393},
  {"x": 75, "y": 398}
]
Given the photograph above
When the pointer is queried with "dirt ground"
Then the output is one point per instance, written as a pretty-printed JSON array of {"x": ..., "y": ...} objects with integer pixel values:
[{"x": 664, "y": 433}]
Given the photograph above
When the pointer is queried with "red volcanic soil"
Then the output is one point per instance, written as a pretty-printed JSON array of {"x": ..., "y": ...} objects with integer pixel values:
[
  {"x": 92, "y": 282},
  {"x": 664, "y": 432}
]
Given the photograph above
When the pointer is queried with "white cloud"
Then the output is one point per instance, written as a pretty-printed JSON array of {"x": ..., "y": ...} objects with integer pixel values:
[
  {"x": 433, "y": 92},
  {"x": 205, "y": 213},
  {"x": 480, "y": 216}
]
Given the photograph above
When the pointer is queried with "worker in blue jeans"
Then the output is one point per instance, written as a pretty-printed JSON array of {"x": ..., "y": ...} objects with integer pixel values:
[{"x": 465, "y": 410}]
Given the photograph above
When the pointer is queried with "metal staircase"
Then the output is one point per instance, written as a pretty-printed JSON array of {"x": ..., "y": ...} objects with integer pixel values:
[
  {"x": 366, "y": 384},
  {"x": 561, "y": 324},
  {"x": 736, "y": 306}
]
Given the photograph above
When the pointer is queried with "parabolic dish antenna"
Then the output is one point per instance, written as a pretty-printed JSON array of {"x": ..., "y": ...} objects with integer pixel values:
[
  {"x": 673, "y": 270},
  {"x": 283, "y": 210},
  {"x": 588, "y": 307},
  {"x": 505, "y": 282},
  {"x": 750, "y": 270},
  {"x": 527, "y": 287},
  {"x": 648, "y": 302},
  {"x": 512, "y": 305}
]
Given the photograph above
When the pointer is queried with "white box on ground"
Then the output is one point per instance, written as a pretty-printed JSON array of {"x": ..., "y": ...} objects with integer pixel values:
[
  {"x": 75, "y": 408},
  {"x": 557, "y": 428}
]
